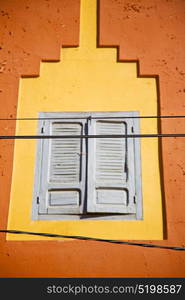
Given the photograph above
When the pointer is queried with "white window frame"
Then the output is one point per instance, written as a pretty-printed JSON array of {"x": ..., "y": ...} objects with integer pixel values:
[{"x": 40, "y": 210}]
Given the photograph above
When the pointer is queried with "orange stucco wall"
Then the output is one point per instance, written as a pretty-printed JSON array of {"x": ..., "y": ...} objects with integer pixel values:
[{"x": 150, "y": 31}]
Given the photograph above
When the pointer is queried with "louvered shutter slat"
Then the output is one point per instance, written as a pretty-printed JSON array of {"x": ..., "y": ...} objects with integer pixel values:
[{"x": 110, "y": 172}]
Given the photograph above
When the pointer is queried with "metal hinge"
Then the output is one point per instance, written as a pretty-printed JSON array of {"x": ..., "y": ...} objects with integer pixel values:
[{"x": 38, "y": 200}]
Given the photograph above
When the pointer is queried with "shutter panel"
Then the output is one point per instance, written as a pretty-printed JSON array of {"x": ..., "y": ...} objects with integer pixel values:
[
  {"x": 111, "y": 179},
  {"x": 63, "y": 176}
]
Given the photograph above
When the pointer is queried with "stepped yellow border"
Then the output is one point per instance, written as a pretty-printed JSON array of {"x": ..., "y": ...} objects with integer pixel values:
[{"x": 86, "y": 79}]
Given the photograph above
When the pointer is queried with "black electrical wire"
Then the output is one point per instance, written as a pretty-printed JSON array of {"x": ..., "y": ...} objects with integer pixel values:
[
  {"x": 99, "y": 117},
  {"x": 53, "y": 235},
  {"x": 23, "y": 137}
]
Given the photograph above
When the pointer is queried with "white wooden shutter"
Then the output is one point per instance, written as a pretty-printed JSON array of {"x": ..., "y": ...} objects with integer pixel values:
[
  {"x": 63, "y": 165},
  {"x": 111, "y": 179}
]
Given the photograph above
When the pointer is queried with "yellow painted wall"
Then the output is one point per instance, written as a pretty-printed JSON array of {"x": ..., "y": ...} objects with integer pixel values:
[{"x": 86, "y": 79}]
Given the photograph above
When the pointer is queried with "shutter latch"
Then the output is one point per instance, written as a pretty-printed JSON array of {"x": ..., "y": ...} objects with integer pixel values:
[{"x": 42, "y": 128}]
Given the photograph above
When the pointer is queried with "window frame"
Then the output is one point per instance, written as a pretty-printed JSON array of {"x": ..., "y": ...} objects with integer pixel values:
[{"x": 43, "y": 144}]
